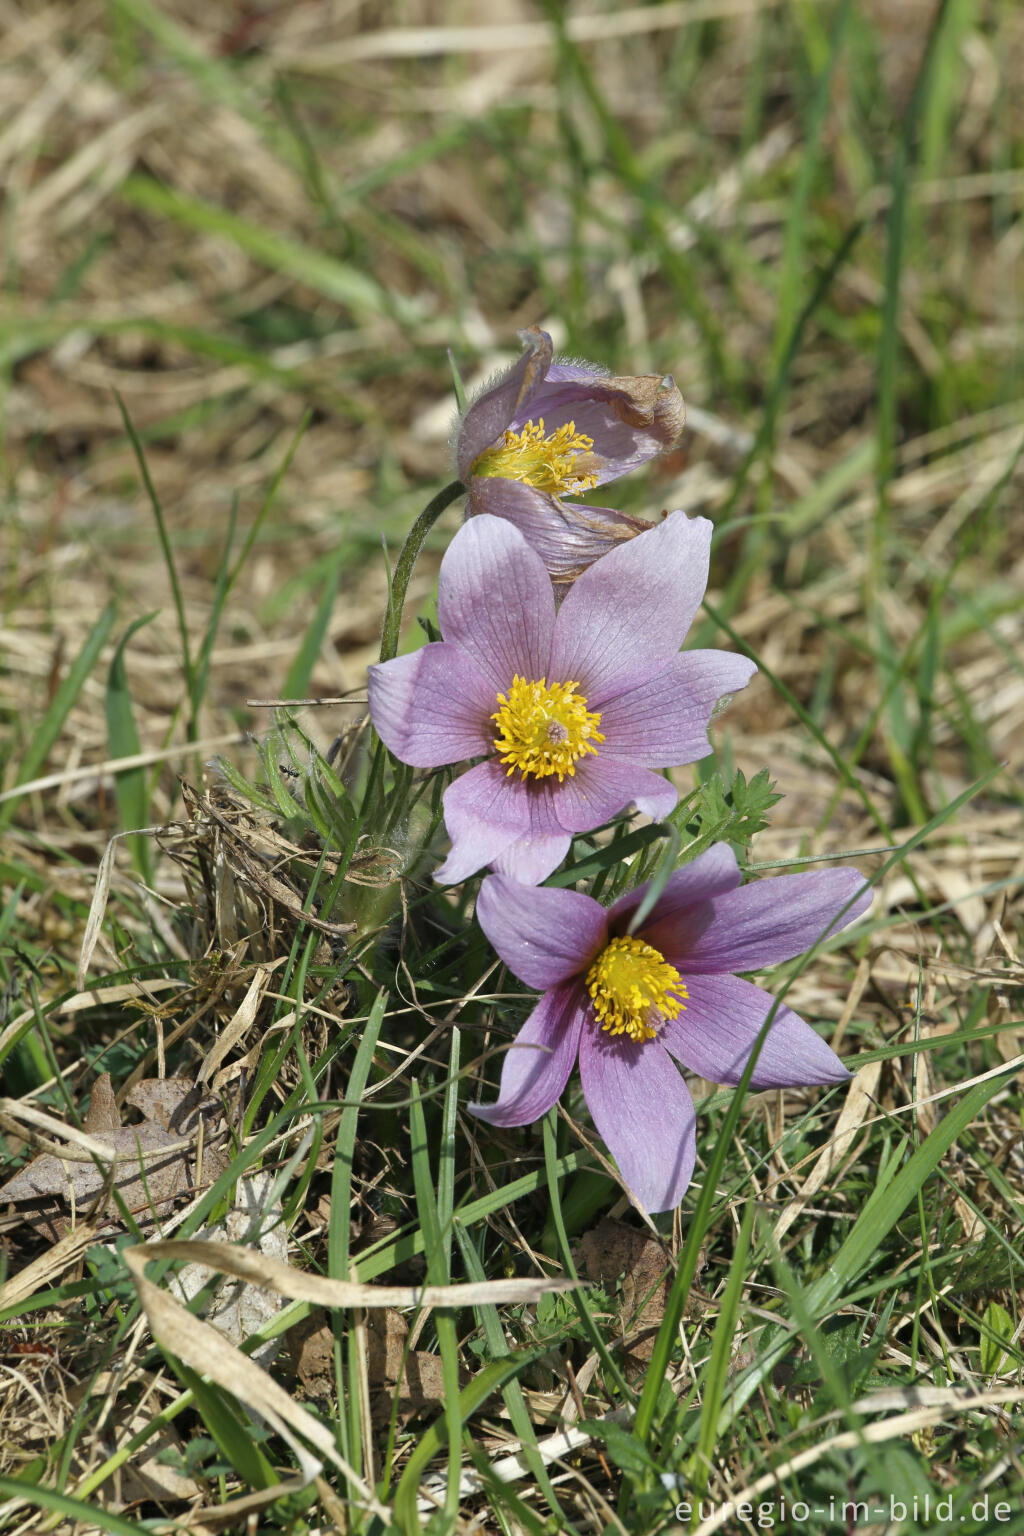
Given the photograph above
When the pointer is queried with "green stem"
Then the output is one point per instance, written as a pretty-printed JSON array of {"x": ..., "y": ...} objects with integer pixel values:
[{"x": 407, "y": 559}]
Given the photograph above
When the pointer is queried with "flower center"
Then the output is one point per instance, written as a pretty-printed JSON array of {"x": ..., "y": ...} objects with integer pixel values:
[
  {"x": 634, "y": 989},
  {"x": 544, "y": 730},
  {"x": 544, "y": 462}
]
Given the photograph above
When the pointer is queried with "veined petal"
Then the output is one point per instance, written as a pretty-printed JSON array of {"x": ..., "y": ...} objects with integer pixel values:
[
  {"x": 536, "y": 1068},
  {"x": 705, "y": 876},
  {"x": 543, "y": 936},
  {"x": 506, "y": 396},
  {"x": 432, "y": 707},
  {"x": 563, "y": 372},
  {"x": 532, "y": 857},
  {"x": 627, "y": 615},
  {"x": 603, "y": 786},
  {"x": 484, "y": 811},
  {"x": 665, "y": 721},
  {"x": 715, "y": 1034},
  {"x": 495, "y": 601},
  {"x": 769, "y": 921},
  {"x": 567, "y": 536},
  {"x": 643, "y": 1110}
]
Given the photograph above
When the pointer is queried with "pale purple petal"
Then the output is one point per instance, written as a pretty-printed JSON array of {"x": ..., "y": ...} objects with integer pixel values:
[
  {"x": 484, "y": 811},
  {"x": 565, "y": 372},
  {"x": 602, "y": 787},
  {"x": 543, "y": 936},
  {"x": 642, "y": 1108},
  {"x": 433, "y": 706},
  {"x": 486, "y": 419},
  {"x": 627, "y": 615},
  {"x": 538, "y": 852},
  {"x": 536, "y": 1068},
  {"x": 567, "y": 536},
  {"x": 767, "y": 921},
  {"x": 629, "y": 420},
  {"x": 531, "y": 858},
  {"x": 495, "y": 601},
  {"x": 716, "y": 1031},
  {"x": 685, "y": 891},
  {"x": 666, "y": 720}
]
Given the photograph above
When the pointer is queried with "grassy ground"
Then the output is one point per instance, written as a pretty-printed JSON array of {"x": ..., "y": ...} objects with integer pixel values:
[{"x": 237, "y": 241}]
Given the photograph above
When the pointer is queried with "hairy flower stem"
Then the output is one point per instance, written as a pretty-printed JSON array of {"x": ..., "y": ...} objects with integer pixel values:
[
  {"x": 373, "y": 800},
  {"x": 407, "y": 559}
]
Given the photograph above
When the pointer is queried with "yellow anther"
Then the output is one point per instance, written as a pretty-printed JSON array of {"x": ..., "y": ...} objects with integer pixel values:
[
  {"x": 544, "y": 730},
  {"x": 634, "y": 989},
  {"x": 548, "y": 463}
]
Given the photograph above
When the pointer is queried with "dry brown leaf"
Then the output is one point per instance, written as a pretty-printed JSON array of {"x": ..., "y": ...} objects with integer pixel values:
[
  {"x": 148, "y": 1165},
  {"x": 416, "y": 1375},
  {"x": 614, "y": 1252},
  {"x": 419, "y": 1385}
]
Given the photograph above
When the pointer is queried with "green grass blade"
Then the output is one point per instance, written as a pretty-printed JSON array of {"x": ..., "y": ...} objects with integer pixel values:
[
  {"x": 791, "y": 278},
  {"x": 718, "y": 1365},
  {"x": 45, "y": 734},
  {"x": 336, "y": 280},
  {"x": 448, "y": 1153},
  {"x": 201, "y": 671},
  {"x": 491, "y": 1379},
  {"x": 296, "y": 683},
  {"x": 512, "y": 1392},
  {"x": 875, "y": 1222},
  {"x": 437, "y": 1246},
  {"x": 339, "y": 1233},
  {"x": 228, "y": 1429},
  {"x": 165, "y": 548},
  {"x": 90, "y": 1517},
  {"x": 378, "y": 1261},
  {"x": 613, "y": 1375},
  {"x": 123, "y": 740}
]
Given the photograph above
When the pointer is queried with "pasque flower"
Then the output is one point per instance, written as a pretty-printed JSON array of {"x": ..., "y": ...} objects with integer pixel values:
[
  {"x": 573, "y": 711},
  {"x": 631, "y": 1006},
  {"x": 545, "y": 430}
]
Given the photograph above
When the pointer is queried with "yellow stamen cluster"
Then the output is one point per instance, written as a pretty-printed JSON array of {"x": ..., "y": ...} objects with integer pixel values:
[
  {"x": 634, "y": 989},
  {"x": 544, "y": 730},
  {"x": 544, "y": 462}
]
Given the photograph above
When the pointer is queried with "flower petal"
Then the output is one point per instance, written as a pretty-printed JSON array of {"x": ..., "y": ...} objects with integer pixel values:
[
  {"x": 536, "y": 1068},
  {"x": 715, "y": 1034},
  {"x": 568, "y": 537},
  {"x": 666, "y": 720},
  {"x": 705, "y": 876},
  {"x": 543, "y": 936},
  {"x": 602, "y": 787},
  {"x": 768, "y": 921},
  {"x": 507, "y": 395},
  {"x": 531, "y": 858},
  {"x": 495, "y": 601},
  {"x": 629, "y": 420},
  {"x": 626, "y": 616},
  {"x": 484, "y": 811},
  {"x": 433, "y": 706},
  {"x": 643, "y": 1109}
]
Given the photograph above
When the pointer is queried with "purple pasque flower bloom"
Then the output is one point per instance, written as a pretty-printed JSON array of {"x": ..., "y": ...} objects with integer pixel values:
[
  {"x": 544, "y": 430},
  {"x": 573, "y": 711},
  {"x": 632, "y": 1005}
]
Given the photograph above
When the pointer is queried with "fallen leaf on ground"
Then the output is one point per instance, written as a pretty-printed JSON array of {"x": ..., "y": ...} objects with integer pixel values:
[
  {"x": 150, "y": 1164},
  {"x": 614, "y": 1252}
]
